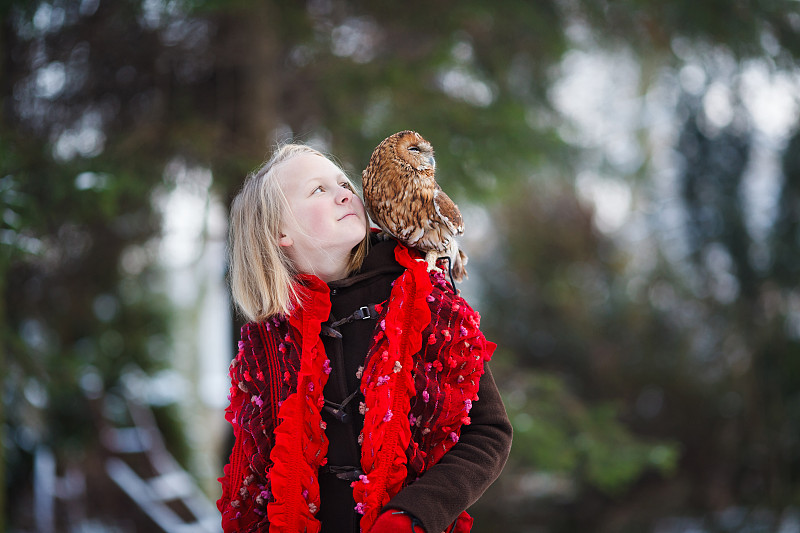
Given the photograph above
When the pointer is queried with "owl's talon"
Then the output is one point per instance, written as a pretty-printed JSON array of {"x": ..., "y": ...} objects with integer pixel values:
[{"x": 431, "y": 258}]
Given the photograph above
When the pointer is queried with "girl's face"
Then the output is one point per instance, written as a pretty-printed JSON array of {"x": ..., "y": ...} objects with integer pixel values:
[{"x": 325, "y": 219}]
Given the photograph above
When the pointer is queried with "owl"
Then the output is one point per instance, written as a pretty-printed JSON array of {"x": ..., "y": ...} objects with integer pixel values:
[{"x": 402, "y": 197}]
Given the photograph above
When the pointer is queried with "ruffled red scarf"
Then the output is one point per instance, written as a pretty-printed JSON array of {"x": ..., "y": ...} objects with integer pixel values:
[{"x": 421, "y": 377}]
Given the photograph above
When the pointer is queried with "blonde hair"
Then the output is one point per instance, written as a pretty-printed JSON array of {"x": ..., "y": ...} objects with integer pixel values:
[{"x": 262, "y": 276}]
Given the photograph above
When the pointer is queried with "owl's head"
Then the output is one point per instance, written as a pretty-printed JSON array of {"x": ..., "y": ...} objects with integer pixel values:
[{"x": 414, "y": 150}]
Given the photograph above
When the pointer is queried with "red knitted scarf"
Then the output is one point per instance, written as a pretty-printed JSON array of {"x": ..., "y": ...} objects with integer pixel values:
[{"x": 421, "y": 376}]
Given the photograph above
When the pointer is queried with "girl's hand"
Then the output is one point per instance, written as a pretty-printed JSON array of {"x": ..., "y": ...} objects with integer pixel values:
[{"x": 393, "y": 521}]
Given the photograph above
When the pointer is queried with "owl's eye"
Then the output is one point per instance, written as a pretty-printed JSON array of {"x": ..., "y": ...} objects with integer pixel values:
[{"x": 413, "y": 149}]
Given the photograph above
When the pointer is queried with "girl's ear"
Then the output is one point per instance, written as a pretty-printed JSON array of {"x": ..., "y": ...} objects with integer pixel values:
[{"x": 285, "y": 240}]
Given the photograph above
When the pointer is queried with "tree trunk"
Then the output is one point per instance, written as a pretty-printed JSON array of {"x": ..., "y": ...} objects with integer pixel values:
[{"x": 248, "y": 78}]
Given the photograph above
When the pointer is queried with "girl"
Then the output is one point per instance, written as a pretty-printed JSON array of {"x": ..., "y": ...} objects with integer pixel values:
[{"x": 354, "y": 395}]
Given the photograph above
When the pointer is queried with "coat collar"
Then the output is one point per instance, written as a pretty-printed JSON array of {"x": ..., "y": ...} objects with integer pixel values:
[{"x": 379, "y": 261}]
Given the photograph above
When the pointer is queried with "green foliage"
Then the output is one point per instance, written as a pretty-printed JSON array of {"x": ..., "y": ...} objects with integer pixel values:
[
  {"x": 615, "y": 457},
  {"x": 557, "y": 432},
  {"x": 65, "y": 311}
]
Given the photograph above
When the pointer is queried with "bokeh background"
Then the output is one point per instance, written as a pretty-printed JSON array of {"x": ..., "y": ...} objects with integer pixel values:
[{"x": 629, "y": 173}]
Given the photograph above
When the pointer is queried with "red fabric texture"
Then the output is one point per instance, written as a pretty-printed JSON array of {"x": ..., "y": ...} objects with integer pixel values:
[
  {"x": 388, "y": 386},
  {"x": 393, "y": 522},
  {"x": 235, "y": 471},
  {"x": 420, "y": 378},
  {"x": 300, "y": 443},
  {"x": 463, "y": 524}
]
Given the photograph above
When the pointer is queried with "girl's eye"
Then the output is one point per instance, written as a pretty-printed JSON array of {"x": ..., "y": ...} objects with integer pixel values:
[
  {"x": 320, "y": 188},
  {"x": 346, "y": 185}
]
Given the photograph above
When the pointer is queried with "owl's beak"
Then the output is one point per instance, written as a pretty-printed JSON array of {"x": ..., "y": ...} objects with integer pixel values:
[{"x": 432, "y": 162}]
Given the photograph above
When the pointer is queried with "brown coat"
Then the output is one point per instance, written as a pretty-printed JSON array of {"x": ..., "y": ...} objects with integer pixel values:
[{"x": 461, "y": 476}]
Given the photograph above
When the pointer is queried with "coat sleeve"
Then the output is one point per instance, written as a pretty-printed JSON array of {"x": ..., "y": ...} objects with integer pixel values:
[{"x": 465, "y": 472}]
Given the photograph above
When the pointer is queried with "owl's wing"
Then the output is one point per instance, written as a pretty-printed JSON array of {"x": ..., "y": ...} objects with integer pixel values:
[{"x": 448, "y": 211}]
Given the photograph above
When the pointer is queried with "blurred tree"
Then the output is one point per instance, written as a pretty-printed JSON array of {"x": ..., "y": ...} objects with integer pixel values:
[
  {"x": 786, "y": 233},
  {"x": 744, "y": 287},
  {"x": 581, "y": 362}
]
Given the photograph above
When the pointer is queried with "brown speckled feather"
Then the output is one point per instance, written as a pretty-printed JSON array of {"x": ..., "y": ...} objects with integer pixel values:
[
  {"x": 448, "y": 211},
  {"x": 404, "y": 200}
]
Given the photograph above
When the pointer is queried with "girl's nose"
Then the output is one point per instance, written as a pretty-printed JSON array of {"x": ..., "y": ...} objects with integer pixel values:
[{"x": 345, "y": 195}]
